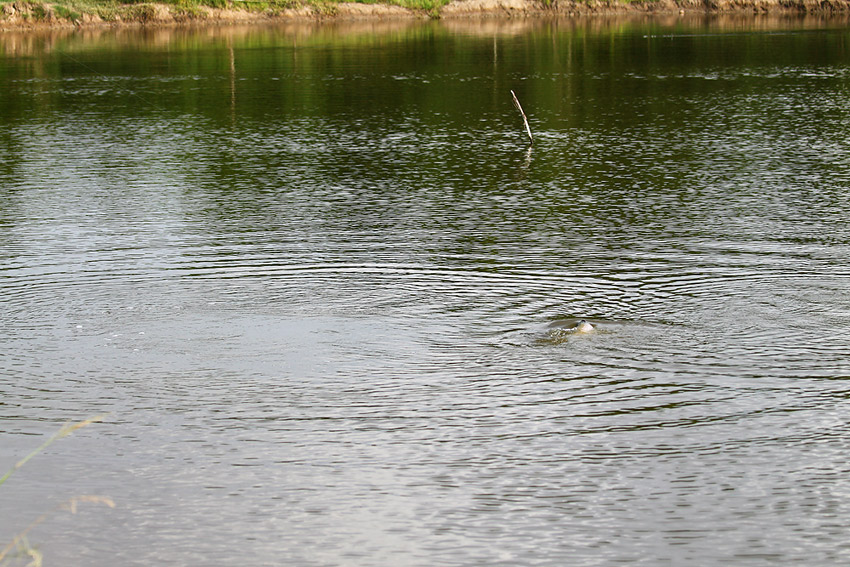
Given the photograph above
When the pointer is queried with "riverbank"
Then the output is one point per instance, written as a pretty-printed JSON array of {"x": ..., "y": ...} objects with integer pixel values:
[{"x": 88, "y": 13}]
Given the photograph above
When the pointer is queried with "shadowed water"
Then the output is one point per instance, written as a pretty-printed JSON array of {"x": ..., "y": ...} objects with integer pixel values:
[{"x": 320, "y": 281}]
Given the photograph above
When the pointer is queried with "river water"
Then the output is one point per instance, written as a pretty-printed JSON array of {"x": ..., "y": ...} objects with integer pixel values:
[{"x": 319, "y": 281}]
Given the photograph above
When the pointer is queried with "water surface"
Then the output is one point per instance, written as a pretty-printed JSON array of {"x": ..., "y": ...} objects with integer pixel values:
[{"x": 313, "y": 274}]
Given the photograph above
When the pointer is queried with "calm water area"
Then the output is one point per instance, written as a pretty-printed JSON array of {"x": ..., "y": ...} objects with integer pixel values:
[{"x": 321, "y": 284}]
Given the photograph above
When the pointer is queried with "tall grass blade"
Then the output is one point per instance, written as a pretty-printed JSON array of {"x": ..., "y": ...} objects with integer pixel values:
[
  {"x": 20, "y": 540},
  {"x": 66, "y": 430}
]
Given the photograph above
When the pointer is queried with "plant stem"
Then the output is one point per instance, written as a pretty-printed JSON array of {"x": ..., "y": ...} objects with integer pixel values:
[{"x": 66, "y": 430}]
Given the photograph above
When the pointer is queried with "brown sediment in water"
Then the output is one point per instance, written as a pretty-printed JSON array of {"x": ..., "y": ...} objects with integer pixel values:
[{"x": 32, "y": 15}]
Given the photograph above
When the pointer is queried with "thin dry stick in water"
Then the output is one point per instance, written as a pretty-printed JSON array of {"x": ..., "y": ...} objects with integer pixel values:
[{"x": 524, "y": 118}]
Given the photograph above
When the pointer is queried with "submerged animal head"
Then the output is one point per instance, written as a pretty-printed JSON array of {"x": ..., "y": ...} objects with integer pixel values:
[{"x": 583, "y": 327}]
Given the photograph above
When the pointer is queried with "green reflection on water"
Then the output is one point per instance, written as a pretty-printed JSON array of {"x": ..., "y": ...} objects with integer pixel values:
[
  {"x": 349, "y": 69},
  {"x": 377, "y": 114}
]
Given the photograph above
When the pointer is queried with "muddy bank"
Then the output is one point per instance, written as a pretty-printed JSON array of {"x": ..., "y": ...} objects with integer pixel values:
[
  {"x": 520, "y": 8},
  {"x": 31, "y": 15}
]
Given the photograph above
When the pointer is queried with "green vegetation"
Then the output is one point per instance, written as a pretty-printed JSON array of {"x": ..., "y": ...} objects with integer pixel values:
[
  {"x": 420, "y": 5},
  {"x": 67, "y": 13},
  {"x": 139, "y": 11},
  {"x": 19, "y": 543}
]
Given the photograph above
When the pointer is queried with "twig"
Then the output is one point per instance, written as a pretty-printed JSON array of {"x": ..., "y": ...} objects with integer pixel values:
[{"x": 524, "y": 118}]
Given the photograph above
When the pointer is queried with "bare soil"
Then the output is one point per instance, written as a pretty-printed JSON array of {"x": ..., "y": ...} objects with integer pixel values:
[{"x": 25, "y": 15}]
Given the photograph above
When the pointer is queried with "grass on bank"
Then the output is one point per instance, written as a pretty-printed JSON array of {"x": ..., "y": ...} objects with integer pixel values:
[
  {"x": 141, "y": 11},
  {"x": 19, "y": 547}
]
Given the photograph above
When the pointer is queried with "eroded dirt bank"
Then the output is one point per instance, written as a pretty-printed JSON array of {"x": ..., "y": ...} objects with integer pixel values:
[
  {"x": 30, "y": 15},
  {"x": 578, "y": 8}
]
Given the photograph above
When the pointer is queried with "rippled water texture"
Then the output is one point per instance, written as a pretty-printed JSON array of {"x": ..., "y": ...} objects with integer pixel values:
[{"x": 320, "y": 282}]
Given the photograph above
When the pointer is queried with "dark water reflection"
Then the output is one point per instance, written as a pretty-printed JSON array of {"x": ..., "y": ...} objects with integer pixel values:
[{"x": 314, "y": 272}]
